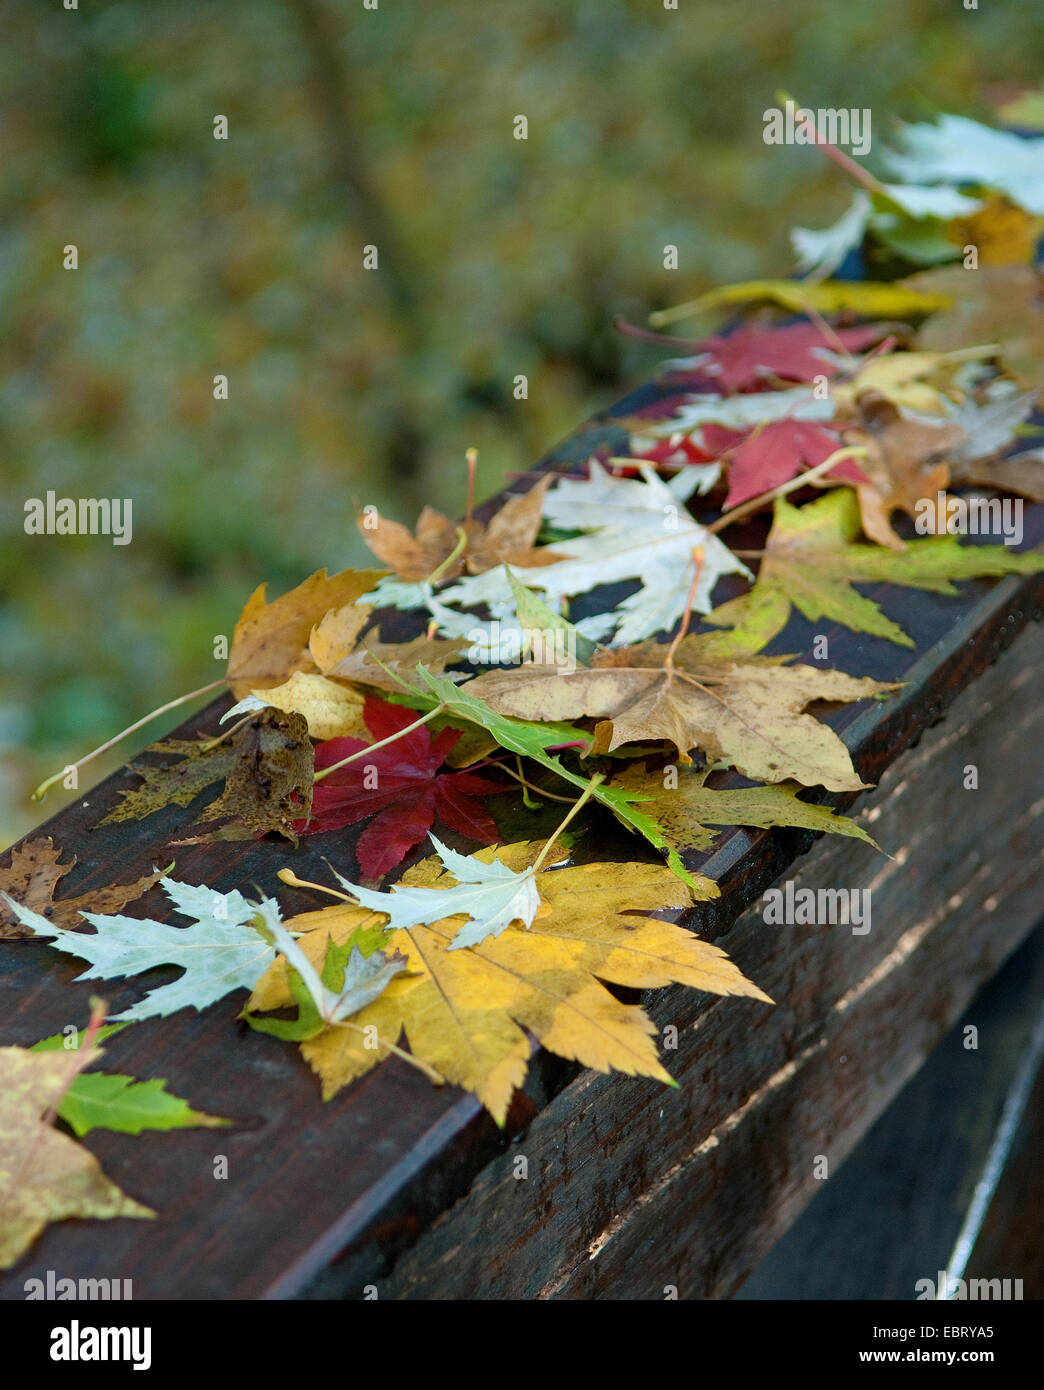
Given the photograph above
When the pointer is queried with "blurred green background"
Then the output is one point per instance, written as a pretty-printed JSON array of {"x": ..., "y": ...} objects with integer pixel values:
[{"x": 243, "y": 257}]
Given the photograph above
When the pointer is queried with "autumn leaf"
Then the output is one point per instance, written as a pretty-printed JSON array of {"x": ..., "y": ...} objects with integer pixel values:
[
  {"x": 812, "y": 559},
  {"x": 489, "y": 895},
  {"x": 33, "y": 875},
  {"x": 266, "y": 766},
  {"x": 466, "y": 1012},
  {"x": 774, "y": 453},
  {"x": 871, "y": 300},
  {"x": 270, "y": 640},
  {"x": 639, "y": 530},
  {"x": 329, "y": 708},
  {"x": 794, "y": 352},
  {"x": 103, "y": 1100},
  {"x": 44, "y": 1175},
  {"x": 508, "y": 537},
  {"x": 957, "y": 150},
  {"x": 1001, "y": 231},
  {"x": 219, "y": 952},
  {"x": 996, "y": 304},
  {"x": 684, "y": 806},
  {"x": 905, "y": 465},
  {"x": 990, "y": 429},
  {"x": 400, "y": 786},
  {"x": 748, "y": 713},
  {"x": 339, "y": 655}
]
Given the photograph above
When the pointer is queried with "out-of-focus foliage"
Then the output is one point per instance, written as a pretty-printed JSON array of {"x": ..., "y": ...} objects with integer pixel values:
[{"x": 498, "y": 257}]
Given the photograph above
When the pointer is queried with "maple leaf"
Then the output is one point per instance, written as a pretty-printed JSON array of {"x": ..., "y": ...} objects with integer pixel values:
[
  {"x": 266, "y": 766},
  {"x": 914, "y": 220},
  {"x": 220, "y": 951},
  {"x": 507, "y": 537},
  {"x": 990, "y": 429},
  {"x": 466, "y": 1012},
  {"x": 490, "y": 895},
  {"x": 33, "y": 875},
  {"x": 643, "y": 532},
  {"x": 45, "y": 1175},
  {"x": 329, "y": 708},
  {"x": 905, "y": 467},
  {"x": 997, "y": 304},
  {"x": 748, "y": 713},
  {"x": 775, "y": 453},
  {"x": 103, "y": 1100},
  {"x": 335, "y": 648},
  {"x": 794, "y": 352},
  {"x": 399, "y": 786},
  {"x": 958, "y": 150},
  {"x": 684, "y": 809},
  {"x": 270, "y": 640},
  {"x": 812, "y": 559}
]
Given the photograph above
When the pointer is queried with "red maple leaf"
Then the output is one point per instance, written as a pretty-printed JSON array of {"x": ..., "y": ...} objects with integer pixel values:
[
  {"x": 774, "y": 454},
  {"x": 796, "y": 352},
  {"x": 400, "y": 786}
]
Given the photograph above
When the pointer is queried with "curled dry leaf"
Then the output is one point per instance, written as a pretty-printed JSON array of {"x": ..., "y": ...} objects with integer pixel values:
[
  {"x": 906, "y": 467},
  {"x": 266, "y": 766},
  {"x": 32, "y": 877},
  {"x": 507, "y": 538}
]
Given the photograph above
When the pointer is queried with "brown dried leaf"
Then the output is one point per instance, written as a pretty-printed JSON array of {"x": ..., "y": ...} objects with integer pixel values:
[
  {"x": 33, "y": 875},
  {"x": 905, "y": 464}
]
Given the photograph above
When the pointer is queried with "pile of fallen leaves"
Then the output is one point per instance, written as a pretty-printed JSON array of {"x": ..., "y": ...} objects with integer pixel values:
[{"x": 567, "y": 650}]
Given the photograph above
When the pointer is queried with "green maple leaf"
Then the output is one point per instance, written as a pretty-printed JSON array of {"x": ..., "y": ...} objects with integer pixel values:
[
  {"x": 101, "y": 1100},
  {"x": 685, "y": 810},
  {"x": 812, "y": 560}
]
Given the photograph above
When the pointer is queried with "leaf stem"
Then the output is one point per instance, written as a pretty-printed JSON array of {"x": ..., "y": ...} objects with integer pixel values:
[
  {"x": 683, "y": 626},
  {"x": 42, "y": 790},
  {"x": 573, "y": 810},
  {"x": 451, "y": 559},
  {"x": 755, "y": 504}
]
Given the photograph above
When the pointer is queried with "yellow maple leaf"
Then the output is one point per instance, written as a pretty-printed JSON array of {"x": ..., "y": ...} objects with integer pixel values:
[
  {"x": 270, "y": 640},
  {"x": 466, "y": 1012}
]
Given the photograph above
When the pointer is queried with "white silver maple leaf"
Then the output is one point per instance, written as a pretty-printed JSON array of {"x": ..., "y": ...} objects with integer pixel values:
[
  {"x": 219, "y": 952},
  {"x": 958, "y": 150},
  {"x": 491, "y": 896},
  {"x": 643, "y": 532}
]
